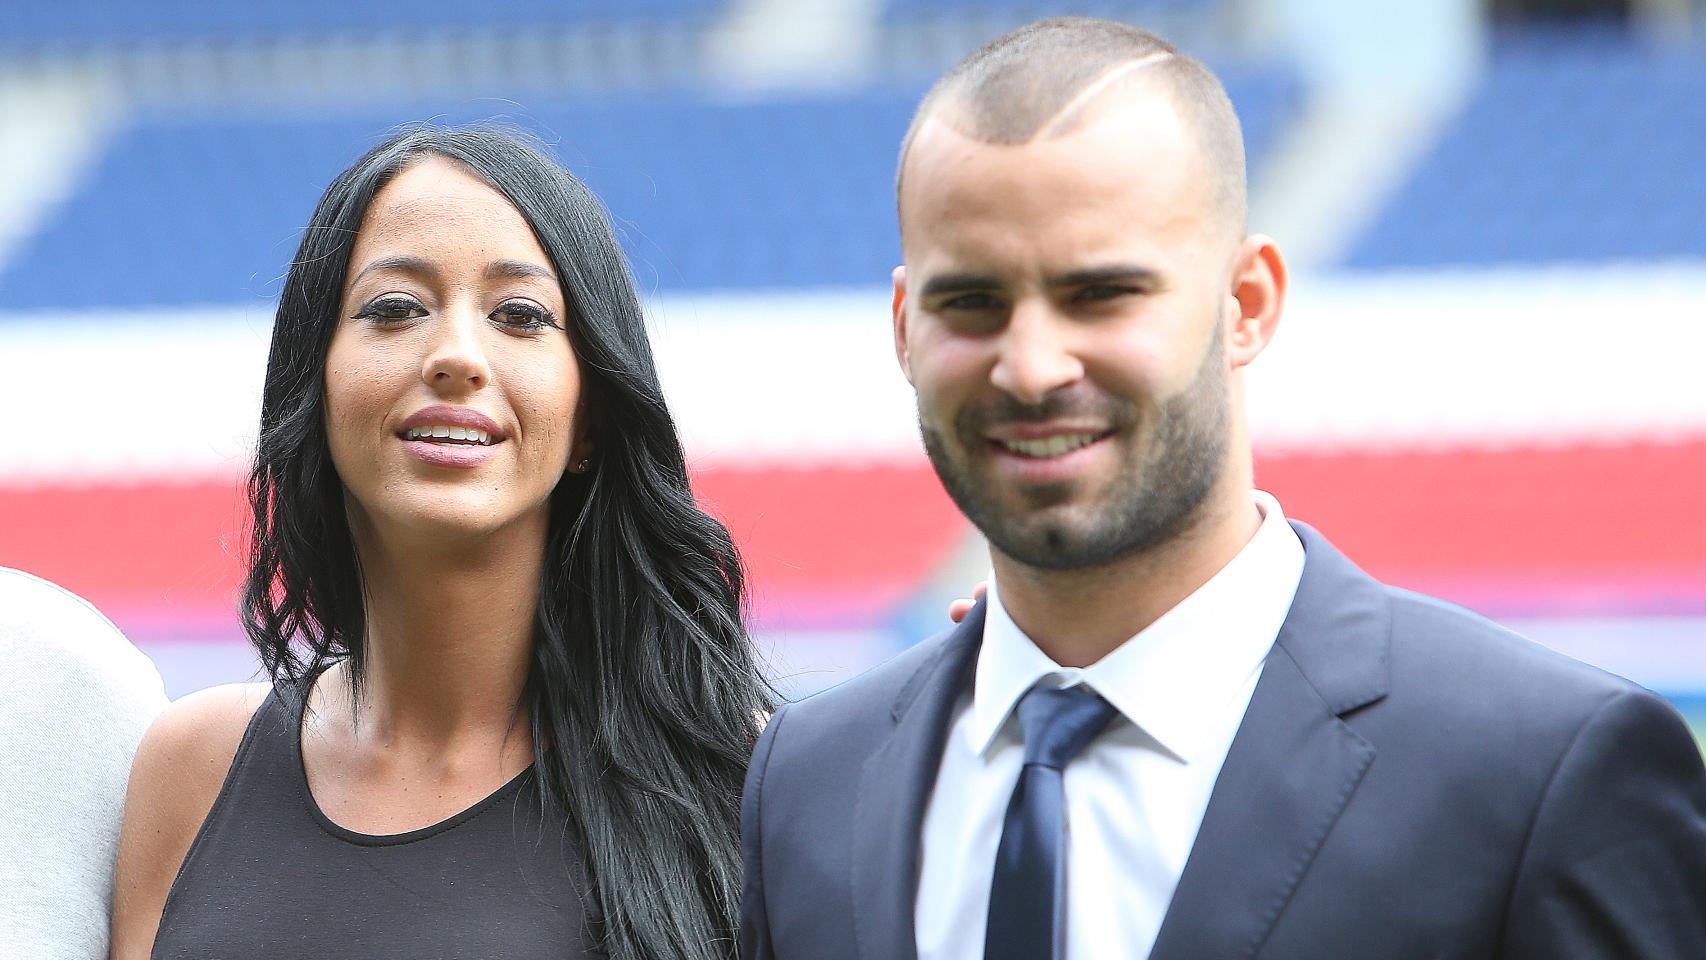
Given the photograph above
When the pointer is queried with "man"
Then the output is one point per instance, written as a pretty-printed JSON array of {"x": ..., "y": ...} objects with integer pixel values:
[
  {"x": 75, "y": 698},
  {"x": 1178, "y": 726}
]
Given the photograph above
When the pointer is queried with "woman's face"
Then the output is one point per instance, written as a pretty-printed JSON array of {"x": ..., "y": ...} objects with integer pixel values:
[{"x": 453, "y": 398}]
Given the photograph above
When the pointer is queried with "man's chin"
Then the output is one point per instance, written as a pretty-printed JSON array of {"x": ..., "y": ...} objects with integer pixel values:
[{"x": 1058, "y": 538}]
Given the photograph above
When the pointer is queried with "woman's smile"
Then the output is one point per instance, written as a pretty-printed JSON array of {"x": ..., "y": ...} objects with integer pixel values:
[{"x": 447, "y": 436}]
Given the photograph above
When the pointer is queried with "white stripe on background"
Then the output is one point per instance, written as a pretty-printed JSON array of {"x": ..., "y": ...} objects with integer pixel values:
[
  {"x": 799, "y": 662},
  {"x": 1667, "y": 654},
  {"x": 1541, "y": 355}
]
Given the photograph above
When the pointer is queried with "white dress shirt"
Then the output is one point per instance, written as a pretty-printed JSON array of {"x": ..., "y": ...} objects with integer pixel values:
[{"x": 1135, "y": 797}]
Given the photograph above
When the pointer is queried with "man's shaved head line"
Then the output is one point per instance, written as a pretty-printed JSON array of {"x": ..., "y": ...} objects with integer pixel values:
[{"x": 1045, "y": 79}]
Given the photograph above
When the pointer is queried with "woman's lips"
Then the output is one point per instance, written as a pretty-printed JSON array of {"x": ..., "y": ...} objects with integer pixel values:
[
  {"x": 450, "y": 453},
  {"x": 447, "y": 415}
]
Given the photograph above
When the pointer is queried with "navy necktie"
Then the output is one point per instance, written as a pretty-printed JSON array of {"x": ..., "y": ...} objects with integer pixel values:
[{"x": 1027, "y": 904}]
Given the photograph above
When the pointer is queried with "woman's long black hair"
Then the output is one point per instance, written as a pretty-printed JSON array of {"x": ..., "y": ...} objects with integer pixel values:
[{"x": 643, "y": 690}]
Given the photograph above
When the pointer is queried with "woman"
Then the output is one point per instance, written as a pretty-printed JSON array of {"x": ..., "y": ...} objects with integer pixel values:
[{"x": 513, "y": 698}]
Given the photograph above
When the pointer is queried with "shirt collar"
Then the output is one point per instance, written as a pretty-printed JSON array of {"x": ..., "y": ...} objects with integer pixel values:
[{"x": 1177, "y": 674}]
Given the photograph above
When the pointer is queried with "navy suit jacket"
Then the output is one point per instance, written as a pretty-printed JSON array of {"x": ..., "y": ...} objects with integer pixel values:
[{"x": 1409, "y": 781}]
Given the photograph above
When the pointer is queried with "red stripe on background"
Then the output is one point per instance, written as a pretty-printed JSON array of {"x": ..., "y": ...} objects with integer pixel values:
[
  {"x": 870, "y": 535},
  {"x": 1582, "y": 528},
  {"x": 1587, "y": 527},
  {"x": 154, "y": 547},
  {"x": 818, "y": 543}
]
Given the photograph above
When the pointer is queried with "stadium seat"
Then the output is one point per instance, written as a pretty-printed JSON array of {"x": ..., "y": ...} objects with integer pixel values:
[{"x": 1579, "y": 145}]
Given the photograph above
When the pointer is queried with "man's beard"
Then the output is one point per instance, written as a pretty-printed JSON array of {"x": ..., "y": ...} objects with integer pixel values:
[{"x": 1154, "y": 499}]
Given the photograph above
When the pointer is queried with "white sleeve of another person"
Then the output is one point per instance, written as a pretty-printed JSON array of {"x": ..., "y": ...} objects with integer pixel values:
[{"x": 75, "y": 699}]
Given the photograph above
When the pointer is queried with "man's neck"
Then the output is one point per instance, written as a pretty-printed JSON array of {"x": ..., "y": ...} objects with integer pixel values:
[{"x": 1077, "y": 617}]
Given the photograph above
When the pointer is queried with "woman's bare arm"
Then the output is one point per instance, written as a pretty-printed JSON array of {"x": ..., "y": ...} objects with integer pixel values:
[{"x": 178, "y": 771}]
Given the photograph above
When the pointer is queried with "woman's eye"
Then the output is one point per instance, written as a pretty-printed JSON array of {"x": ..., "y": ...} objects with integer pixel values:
[
  {"x": 391, "y": 310},
  {"x": 524, "y": 315}
]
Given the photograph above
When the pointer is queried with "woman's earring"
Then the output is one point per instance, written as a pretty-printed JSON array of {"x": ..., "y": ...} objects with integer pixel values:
[{"x": 583, "y": 466}]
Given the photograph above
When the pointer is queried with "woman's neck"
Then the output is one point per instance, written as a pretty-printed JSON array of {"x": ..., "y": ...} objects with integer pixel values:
[{"x": 449, "y": 636}]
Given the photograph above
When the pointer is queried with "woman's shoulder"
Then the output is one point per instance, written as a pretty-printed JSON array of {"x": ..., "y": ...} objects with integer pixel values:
[
  {"x": 196, "y": 736},
  {"x": 179, "y": 770},
  {"x": 183, "y": 758}
]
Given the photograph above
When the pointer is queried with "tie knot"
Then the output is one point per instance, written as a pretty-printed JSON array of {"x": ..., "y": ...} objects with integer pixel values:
[{"x": 1058, "y": 723}]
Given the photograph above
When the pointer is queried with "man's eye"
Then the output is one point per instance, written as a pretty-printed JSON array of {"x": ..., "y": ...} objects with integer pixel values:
[
  {"x": 391, "y": 310},
  {"x": 1100, "y": 293},
  {"x": 971, "y": 301},
  {"x": 524, "y": 315}
]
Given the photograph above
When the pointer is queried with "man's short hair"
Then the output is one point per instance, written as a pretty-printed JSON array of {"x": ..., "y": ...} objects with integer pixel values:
[{"x": 1039, "y": 81}]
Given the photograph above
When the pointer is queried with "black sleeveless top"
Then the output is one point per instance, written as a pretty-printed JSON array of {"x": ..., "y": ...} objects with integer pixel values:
[{"x": 269, "y": 876}]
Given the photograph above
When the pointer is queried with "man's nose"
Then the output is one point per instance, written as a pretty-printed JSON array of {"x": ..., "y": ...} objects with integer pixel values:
[
  {"x": 1037, "y": 355},
  {"x": 456, "y": 361}
]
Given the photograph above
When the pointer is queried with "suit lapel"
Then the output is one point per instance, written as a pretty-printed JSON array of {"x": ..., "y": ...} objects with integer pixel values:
[
  {"x": 894, "y": 789},
  {"x": 1292, "y": 768}
]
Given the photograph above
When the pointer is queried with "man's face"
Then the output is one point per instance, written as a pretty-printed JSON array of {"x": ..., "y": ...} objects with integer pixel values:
[{"x": 1061, "y": 315}]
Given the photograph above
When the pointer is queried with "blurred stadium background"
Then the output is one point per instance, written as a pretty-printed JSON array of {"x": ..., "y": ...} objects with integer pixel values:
[{"x": 1488, "y": 384}]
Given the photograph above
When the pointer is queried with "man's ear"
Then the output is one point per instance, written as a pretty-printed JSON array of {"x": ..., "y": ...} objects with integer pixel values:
[
  {"x": 899, "y": 277},
  {"x": 1257, "y": 295}
]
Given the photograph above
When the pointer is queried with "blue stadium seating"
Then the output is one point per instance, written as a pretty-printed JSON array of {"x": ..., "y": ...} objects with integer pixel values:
[
  {"x": 193, "y": 211},
  {"x": 79, "y": 24},
  {"x": 707, "y": 195},
  {"x": 1021, "y": 10},
  {"x": 1578, "y": 145}
]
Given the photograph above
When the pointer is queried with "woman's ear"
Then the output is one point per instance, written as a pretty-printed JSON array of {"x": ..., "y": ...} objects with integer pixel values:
[{"x": 582, "y": 451}]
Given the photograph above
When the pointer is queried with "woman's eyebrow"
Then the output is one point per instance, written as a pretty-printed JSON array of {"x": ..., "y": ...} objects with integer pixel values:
[
  {"x": 517, "y": 270},
  {"x": 413, "y": 266},
  {"x": 427, "y": 270}
]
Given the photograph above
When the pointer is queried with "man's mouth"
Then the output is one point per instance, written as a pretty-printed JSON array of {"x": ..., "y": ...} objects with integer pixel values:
[{"x": 1046, "y": 448}]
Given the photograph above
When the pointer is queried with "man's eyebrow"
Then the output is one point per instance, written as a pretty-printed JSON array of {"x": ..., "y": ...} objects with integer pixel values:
[
  {"x": 946, "y": 283},
  {"x": 1113, "y": 273},
  {"x": 413, "y": 266},
  {"x": 517, "y": 270},
  {"x": 1124, "y": 273}
]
